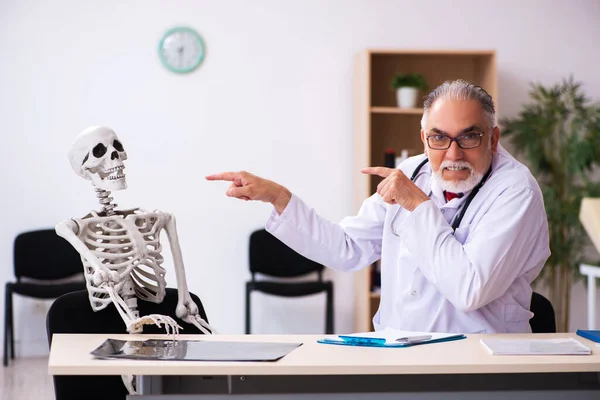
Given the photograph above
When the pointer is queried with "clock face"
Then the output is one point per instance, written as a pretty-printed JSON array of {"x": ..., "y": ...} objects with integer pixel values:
[{"x": 181, "y": 50}]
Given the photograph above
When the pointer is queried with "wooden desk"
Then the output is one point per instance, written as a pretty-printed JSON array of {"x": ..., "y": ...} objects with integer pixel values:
[{"x": 462, "y": 368}]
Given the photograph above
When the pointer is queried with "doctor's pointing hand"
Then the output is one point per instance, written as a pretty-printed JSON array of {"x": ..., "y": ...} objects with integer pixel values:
[
  {"x": 396, "y": 188},
  {"x": 460, "y": 241},
  {"x": 247, "y": 186}
]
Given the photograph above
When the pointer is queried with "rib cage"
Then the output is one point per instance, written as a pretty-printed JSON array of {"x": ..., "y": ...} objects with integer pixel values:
[{"x": 128, "y": 243}]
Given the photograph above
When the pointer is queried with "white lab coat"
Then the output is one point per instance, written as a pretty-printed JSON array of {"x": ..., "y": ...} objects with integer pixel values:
[{"x": 477, "y": 280}]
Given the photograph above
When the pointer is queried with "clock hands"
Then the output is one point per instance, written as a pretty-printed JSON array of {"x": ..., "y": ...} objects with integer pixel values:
[{"x": 180, "y": 50}]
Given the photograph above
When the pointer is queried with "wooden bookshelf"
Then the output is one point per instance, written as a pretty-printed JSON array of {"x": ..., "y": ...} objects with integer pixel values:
[{"x": 379, "y": 124}]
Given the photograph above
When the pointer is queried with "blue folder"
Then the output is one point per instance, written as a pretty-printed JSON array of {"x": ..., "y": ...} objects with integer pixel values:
[{"x": 589, "y": 334}]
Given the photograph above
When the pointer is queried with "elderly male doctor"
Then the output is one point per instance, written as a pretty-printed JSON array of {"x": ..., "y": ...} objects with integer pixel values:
[{"x": 459, "y": 245}]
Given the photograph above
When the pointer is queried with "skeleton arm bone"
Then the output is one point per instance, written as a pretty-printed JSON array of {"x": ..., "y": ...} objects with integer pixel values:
[
  {"x": 186, "y": 309},
  {"x": 68, "y": 230},
  {"x": 102, "y": 275},
  {"x": 103, "y": 278}
]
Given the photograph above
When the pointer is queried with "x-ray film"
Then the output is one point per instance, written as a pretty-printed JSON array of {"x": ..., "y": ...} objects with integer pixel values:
[{"x": 193, "y": 350}]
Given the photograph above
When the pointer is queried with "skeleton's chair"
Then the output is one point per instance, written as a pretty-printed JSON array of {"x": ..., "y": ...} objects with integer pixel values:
[
  {"x": 43, "y": 264},
  {"x": 72, "y": 313}
]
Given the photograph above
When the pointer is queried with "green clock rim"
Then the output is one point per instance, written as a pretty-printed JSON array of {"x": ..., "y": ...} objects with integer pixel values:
[{"x": 198, "y": 61}]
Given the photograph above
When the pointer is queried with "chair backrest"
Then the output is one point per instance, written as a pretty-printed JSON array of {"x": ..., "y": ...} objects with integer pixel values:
[
  {"x": 270, "y": 256},
  {"x": 44, "y": 255},
  {"x": 544, "y": 319},
  {"x": 72, "y": 313}
]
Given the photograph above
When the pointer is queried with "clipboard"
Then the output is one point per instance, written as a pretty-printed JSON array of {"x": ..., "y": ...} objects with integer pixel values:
[{"x": 389, "y": 338}]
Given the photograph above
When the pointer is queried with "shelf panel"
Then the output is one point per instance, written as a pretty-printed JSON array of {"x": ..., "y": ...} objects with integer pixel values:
[
  {"x": 396, "y": 110},
  {"x": 426, "y": 52}
]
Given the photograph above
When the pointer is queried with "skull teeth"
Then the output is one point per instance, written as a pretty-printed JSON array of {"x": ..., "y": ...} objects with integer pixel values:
[
  {"x": 114, "y": 173},
  {"x": 108, "y": 171}
]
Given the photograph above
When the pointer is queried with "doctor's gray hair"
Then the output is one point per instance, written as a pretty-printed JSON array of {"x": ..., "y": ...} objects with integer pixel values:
[{"x": 461, "y": 90}]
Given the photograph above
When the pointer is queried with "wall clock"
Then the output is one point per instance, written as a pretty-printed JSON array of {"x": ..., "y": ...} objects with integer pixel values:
[{"x": 181, "y": 50}]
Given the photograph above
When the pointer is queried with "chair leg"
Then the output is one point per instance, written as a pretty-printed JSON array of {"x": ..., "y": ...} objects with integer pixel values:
[
  {"x": 12, "y": 326},
  {"x": 329, "y": 313},
  {"x": 7, "y": 306},
  {"x": 248, "y": 293}
]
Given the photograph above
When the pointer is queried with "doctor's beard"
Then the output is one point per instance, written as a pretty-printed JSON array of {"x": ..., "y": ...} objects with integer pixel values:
[{"x": 461, "y": 186}]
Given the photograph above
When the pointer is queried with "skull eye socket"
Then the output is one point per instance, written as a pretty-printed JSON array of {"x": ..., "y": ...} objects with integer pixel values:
[
  {"x": 99, "y": 150},
  {"x": 117, "y": 145}
]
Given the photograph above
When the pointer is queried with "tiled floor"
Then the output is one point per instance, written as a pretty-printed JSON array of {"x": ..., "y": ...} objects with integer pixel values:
[{"x": 25, "y": 379}]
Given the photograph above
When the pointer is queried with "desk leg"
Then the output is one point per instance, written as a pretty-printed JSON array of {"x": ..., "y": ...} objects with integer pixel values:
[{"x": 148, "y": 385}]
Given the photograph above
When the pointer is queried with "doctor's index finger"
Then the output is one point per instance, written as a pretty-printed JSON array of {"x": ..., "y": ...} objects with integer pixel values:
[
  {"x": 222, "y": 176},
  {"x": 381, "y": 171}
]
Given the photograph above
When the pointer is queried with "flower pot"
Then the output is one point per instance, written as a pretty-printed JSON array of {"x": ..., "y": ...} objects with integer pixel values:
[{"x": 407, "y": 97}]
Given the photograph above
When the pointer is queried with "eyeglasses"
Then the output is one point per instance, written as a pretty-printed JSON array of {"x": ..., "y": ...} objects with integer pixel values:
[{"x": 443, "y": 142}]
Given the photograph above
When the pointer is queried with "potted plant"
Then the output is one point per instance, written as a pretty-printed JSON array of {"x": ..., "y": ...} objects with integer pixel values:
[
  {"x": 407, "y": 88},
  {"x": 558, "y": 133}
]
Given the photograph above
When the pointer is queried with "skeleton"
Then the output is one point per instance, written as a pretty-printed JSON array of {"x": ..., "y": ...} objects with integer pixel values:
[{"x": 121, "y": 249}]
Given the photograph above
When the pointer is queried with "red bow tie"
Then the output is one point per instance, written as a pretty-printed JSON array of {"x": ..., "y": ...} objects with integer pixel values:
[{"x": 450, "y": 195}]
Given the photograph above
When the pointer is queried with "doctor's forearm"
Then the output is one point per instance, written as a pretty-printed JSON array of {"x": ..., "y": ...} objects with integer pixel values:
[{"x": 318, "y": 239}]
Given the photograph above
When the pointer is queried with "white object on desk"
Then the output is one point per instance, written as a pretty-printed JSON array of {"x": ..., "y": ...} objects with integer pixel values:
[
  {"x": 568, "y": 346},
  {"x": 592, "y": 273},
  {"x": 589, "y": 215}
]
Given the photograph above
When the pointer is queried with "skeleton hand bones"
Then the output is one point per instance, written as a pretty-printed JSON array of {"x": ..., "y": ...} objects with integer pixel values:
[{"x": 188, "y": 311}]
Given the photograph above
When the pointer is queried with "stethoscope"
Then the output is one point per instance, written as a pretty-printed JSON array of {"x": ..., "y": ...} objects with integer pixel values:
[{"x": 457, "y": 220}]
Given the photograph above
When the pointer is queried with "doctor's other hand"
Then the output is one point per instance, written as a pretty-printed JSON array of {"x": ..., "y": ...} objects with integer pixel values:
[
  {"x": 247, "y": 186},
  {"x": 396, "y": 188}
]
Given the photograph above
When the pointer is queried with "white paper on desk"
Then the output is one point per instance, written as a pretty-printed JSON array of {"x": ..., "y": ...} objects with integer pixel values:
[
  {"x": 390, "y": 335},
  {"x": 568, "y": 346}
]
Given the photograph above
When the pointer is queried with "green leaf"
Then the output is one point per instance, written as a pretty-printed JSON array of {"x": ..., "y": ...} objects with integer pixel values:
[
  {"x": 409, "y": 80},
  {"x": 558, "y": 133}
]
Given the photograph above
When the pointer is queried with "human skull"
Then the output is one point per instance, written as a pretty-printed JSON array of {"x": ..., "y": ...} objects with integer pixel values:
[{"x": 98, "y": 155}]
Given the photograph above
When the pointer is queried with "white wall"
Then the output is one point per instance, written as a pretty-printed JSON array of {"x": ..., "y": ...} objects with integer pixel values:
[{"x": 273, "y": 97}]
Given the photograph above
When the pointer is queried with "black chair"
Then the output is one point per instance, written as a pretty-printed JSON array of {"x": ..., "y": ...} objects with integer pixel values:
[
  {"x": 544, "y": 320},
  {"x": 43, "y": 264},
  {"x": 72, "y": 313},
  {"x": 269, "y": 256}
]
